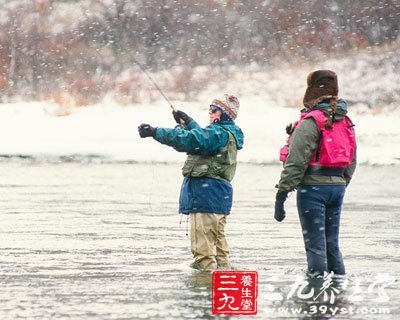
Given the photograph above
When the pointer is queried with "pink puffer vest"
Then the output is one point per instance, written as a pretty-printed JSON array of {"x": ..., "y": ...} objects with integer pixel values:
[{"x": 336, "y": 145}]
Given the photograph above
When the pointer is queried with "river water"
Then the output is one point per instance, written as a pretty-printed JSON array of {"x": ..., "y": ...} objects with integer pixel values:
[{"x": 91, "y": 239}]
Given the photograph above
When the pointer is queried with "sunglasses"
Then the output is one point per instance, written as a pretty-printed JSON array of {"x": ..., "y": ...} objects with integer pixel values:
[{"x": 213, "y": 109}]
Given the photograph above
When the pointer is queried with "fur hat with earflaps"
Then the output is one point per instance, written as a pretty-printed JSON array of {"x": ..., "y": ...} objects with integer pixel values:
[
  {"x": 229, "y": 106},
  {"x": 321, "y": 85}
]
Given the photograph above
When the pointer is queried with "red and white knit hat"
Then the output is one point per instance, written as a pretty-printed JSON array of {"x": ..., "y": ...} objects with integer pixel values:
[{"x": 228, "y": 104}]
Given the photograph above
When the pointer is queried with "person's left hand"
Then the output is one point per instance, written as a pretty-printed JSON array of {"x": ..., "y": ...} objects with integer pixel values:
[
  {"x": 280, "y": 199},
  {"x": 180, "y": 117},
  {"x": 146, "y": 130}
]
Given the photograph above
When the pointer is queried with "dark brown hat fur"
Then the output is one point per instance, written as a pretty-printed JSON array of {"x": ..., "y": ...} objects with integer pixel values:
[{"x": 321, "y": 84}]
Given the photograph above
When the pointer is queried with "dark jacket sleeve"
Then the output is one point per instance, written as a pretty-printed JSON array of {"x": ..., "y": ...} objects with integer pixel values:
[
  {"x": 197, "y": 141},
  {"x": 349, "y": 171},
  {"x": 303, "y": 143}
]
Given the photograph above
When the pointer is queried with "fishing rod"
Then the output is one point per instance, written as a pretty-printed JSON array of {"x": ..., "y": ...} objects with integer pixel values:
[
  {"x": 152, "y": 80},
  {"x": 155, "y": 84}
]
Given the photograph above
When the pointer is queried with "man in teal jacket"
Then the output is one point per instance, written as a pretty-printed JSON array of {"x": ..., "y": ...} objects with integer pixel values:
[{"x": 206, "y": 192}]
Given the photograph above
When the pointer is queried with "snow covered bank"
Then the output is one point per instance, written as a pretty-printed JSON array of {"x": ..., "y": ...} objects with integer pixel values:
[{"x": 109, "y": 130}]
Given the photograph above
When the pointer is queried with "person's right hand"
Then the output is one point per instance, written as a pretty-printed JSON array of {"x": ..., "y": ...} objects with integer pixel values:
[
  {"x": 181, "y": 117},
  {"x": 280, "y": 199},
  {"x": 146, "y": 130}
]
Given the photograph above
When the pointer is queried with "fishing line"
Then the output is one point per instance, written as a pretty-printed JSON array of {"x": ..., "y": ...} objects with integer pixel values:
[
  {"x": 173, "y": 109},
  {"x": 155, "y": 84},
  {"x": 171, "y": 106},
  {"x": 152, "y": 187},
  {"x": 187, "y": 224}
]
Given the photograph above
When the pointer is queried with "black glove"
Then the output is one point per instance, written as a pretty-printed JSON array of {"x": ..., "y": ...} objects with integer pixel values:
[
  {"x": 146, "y": 130},
  {"x": 280, "y": 199},
  {"x": 289, "y": 129},
  {"x": 180, "y": 115}
]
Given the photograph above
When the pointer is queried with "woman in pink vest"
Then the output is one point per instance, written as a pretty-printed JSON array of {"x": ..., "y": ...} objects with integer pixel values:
[{"x": 319, "y": 161}]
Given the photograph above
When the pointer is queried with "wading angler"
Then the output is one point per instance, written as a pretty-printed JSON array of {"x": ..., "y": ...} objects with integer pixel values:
[
  {"x": 319, "y": 161},
  {"x": 206, "y": 193}
]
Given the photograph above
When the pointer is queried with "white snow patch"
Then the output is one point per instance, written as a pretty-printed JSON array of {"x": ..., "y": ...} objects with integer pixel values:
[{"x": 110, "y": 130}]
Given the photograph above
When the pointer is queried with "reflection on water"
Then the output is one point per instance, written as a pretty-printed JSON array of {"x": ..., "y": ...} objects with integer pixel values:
[
  {"x": 198, "y": 285},
  {"x": 103, "y": 241}
]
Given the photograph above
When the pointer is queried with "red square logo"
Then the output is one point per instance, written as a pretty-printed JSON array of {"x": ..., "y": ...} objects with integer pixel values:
[{"x": 234, "y": 292}]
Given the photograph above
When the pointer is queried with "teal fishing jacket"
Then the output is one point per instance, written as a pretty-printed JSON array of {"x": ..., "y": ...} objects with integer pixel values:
[
  {"x": 202, "y": 194},
  {"x": 200, "y": 141}
]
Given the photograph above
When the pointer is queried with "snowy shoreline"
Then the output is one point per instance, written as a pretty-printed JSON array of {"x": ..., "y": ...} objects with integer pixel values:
[{"x": 108, "y": 132}]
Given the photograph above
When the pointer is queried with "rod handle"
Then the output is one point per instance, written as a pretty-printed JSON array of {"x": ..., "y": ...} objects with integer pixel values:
[{"x": 174, "y": 110}]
